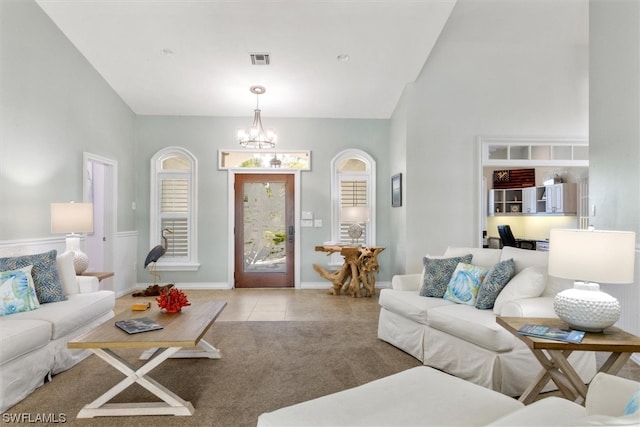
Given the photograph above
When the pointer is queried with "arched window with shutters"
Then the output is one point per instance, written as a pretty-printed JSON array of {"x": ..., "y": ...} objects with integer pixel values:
[
  {"x": 173, "y": 208},
  {"x": 353, "y": 192}
]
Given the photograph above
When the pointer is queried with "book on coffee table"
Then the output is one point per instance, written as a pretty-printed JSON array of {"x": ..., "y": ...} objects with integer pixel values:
[
  {"x": 551, "y": 333},
  {"x": 140, "y": 324}
]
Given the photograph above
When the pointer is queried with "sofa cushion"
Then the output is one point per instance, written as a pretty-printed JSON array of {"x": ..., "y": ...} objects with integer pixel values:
[
  {"x": 550, "y": 411},
  {"x": 495, "y": 280},
  {"x": 481, "y": 256},
  {"x": 464, "y": 284},
  {"x": 19, "y": 337},
  {"x": 525, "y": 258},
  {"x": 75, "y": 312},
  {"x": 17, "y": 291},
  {"x": 67, "y": 273},
  {"x": 529, "y": 283},
  {"x": 44, "y": 272},
  {"x": 470, "y": 324},
  {"x": 409, "y": 304},
  {"x": 419, "y": 396},
  {"x": 437, "y": 273}
]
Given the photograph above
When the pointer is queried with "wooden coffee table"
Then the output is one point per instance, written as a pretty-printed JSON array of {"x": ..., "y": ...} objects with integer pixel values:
[
  {"x": 553, "y": 355},
  {"x": 181, "y": 337}
]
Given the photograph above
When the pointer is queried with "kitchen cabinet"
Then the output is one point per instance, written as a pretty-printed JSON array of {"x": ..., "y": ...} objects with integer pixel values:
[{"x": 561, "y": 199}]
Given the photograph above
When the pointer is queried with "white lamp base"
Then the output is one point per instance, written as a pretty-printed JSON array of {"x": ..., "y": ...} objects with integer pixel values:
[
  {"x": 586, "y": 308},
  {"x": 355, "y": 232},
  {"x": 80, "y": 259}
]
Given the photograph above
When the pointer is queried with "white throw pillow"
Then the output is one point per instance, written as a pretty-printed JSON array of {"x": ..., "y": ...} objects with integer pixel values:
[
  {"x": 529, "y": 283},
  {"x": 67, "y": 273}
]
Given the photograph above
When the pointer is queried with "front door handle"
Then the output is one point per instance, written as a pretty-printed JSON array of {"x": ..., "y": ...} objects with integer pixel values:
[{"x": 292, "y": 231}]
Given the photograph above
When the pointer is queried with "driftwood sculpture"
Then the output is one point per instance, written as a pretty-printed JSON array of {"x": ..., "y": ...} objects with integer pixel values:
[
  {"x": 357, "y": 274},
  {"x": 153, "y": 290}
]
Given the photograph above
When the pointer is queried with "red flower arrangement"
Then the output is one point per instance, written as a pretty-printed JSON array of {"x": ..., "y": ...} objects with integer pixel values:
[{"x": 172, "y": 300}]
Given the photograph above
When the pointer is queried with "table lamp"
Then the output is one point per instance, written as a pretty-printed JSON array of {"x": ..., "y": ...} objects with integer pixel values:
[
  {"x": 73, "y": 218},
  {"x": 355, "y": 215},
  {"x": 590, "y": 256}
]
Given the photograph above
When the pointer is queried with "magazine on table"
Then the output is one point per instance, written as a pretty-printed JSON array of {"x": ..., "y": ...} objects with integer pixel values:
[
  {"x": 140, "y": 324},
  {"x": 551, "y": 333}
]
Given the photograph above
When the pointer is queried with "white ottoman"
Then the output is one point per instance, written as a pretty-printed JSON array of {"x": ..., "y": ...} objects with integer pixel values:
[{"x": 420, "y": 396}]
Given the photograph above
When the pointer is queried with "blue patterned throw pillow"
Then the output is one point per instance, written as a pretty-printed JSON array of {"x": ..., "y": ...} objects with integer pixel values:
[
  {"x": 464, "y": 284},
  {"x": 437, "y": 274},
  {"x": 17, "y": 291},
  {"x": 44, "y": 273},
  {"x": 494, "y": 283}
]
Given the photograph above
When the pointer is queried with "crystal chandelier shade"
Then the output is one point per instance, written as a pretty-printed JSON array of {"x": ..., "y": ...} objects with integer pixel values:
[{"x": 256, "y": 136}]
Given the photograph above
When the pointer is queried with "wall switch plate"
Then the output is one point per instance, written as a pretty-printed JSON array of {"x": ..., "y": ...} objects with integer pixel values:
[
  {"x": 306, "y": 223},
  {"x": 317, "y": 223}
]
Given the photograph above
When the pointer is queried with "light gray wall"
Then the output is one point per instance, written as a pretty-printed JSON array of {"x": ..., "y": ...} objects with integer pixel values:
[
  {"x": 614, "y": 167},
  {"x": 398, "y": 157},
  {"x": 54, "y": 106},
  {"x": 492, "y": 73},
  {"x": 204, "y": 136}
]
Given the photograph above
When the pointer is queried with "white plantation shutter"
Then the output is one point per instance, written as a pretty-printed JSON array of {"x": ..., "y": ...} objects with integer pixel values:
[
  {"x": 174, "y": 214},
  {"x": 353, "y": 192}
]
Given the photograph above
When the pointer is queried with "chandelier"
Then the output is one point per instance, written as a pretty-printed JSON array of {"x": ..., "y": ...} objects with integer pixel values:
[{"x": 255, "y": 136}]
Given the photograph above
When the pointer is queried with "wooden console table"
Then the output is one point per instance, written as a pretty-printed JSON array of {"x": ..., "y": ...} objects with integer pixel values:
[
  {"x": 553, "y": 355},
  {"x": 357, "y": 272}
]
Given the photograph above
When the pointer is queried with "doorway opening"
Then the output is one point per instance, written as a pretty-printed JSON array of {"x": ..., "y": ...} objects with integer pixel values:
[{"x": 100, "y": 177}]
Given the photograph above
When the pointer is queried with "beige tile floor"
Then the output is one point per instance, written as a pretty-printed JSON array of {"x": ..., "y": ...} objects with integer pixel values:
[
  {"x": 279, "y": 304},
  {"x": 302, "y": 305}
]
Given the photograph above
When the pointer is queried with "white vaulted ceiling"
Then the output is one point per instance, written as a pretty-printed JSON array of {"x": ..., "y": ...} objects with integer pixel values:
[{"x": 191, "y": 57}]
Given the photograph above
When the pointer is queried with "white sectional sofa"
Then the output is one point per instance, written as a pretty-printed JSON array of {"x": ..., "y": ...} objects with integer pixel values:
[
  {"x": 423, "y": 396},
  {"x": 466, "y": 341},
  {"x": 33, "y": 344}
]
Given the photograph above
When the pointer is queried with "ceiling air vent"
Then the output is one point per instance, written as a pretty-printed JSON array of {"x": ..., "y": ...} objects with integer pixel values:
[{"x": 260, "y": 58}]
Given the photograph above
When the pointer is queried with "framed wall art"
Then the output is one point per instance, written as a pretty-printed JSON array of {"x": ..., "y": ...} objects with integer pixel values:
[{"x": 396, "y": 190}]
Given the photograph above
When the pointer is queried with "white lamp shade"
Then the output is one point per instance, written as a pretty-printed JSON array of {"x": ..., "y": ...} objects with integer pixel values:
[
  {"x": 592, "y": 255},
  {"x": 354, "y": 214},
  {"x": 71, "y": 217}
]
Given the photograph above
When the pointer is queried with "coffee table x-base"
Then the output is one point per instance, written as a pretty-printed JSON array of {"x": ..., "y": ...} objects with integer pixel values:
[
  {"x": 553, "y": 355},
  {"x": 181, "y": 337}
]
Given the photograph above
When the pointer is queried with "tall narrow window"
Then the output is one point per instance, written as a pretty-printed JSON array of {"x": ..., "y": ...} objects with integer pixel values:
[
  {"x": 173, "y": 208},
  {"x": 353, "y": 197}
]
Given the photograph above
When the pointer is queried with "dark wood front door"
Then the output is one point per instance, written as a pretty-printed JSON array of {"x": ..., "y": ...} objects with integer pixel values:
[{"x": 264, "y": 230}]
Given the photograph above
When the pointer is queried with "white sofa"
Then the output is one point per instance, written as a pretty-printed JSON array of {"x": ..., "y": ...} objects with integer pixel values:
[
  {"x": 467, "y": 342},
  {"x": 423, "y": 396},
  {"x": 33, "y": 344}
]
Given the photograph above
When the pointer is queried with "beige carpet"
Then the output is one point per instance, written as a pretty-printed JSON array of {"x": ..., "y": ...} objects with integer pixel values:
[{"x": 265, "y": 366}]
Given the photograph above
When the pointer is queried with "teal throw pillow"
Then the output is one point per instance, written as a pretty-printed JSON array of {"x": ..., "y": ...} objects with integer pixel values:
[
  {"x": 17, "y": 291},
  {"x": 437, "y": 274},
  {"x": 464, "y": 284},
  {"x": 494, "y": 283},
  {"x": 44, "y": 273}
]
